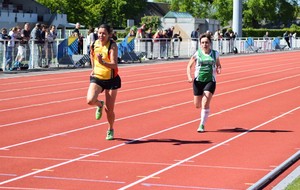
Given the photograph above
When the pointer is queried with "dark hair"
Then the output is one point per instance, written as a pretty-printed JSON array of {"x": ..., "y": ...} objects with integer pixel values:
[
  {"x": 107, "y": 27},
  {"x": 205, "y": 35}
]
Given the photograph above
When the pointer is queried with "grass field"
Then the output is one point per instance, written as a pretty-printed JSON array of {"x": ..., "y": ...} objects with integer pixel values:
[{"x": 295, "y": 185}]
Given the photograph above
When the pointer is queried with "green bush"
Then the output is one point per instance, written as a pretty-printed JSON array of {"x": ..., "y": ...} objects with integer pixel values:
[{"x": 250, "y": 32}]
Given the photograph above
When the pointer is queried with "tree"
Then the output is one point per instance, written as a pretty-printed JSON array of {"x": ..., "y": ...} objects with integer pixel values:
[
  {"x": 96, "y": 12},
  {"x": 258, "y": 12},
  {"x": 223, "y": 11},
  {"x": 197, "y": 8}
]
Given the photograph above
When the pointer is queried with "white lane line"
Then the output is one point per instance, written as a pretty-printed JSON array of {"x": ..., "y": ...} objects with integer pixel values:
[
  {"x": 207, "y": 150},
  {"x": 80, "y": 179},
  {"x": 165, "y": 69},
  {"x": 136, "y": 115},
  {"x": 141, "y": 80},
  {"x": 153, "y": 134},
  {"x": 71, "y": 99},
  {"x": 149, "y": 185},
  {"x": 187, "y": 164},
  {"x": 85, "y": 109}
]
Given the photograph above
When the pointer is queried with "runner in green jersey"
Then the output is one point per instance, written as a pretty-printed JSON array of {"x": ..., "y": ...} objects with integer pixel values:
[{"x": 207, "y": 65}]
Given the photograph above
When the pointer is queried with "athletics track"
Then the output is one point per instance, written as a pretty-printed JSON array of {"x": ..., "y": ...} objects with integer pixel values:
[{"x": 50, "y": 139}]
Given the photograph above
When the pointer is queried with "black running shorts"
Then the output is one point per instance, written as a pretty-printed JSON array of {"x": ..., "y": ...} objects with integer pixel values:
[
  {"x": 200, "y": 87},
  {"x": 110, "y": 84}
]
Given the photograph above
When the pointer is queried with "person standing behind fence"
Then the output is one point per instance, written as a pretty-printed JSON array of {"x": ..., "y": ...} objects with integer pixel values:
[
  {"x": 90, "y": 39},
  {"x": 80, "y": 37},
  {"x": 104, "y": 76},
  {"x": 207, "y": 65},
  {"x": 149, "y": 44},
  {"x": 176, "y": 39},
  {"x": 25, "y": 34},
  {"x": 21, "y": 53},
  {"x": 51, "y": 39},
  {"x": 10, "y": 52},
  {"x": 287, "y": 38},
  {"x": 53, "y": 36},
  {"x": 141, "y": 32},
  {"x": 194, "y": 38},
  {"x": 36, "y": 35}
]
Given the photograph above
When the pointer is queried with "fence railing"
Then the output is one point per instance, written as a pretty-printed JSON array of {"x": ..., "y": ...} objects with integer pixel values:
[{"x": 50, "y": 54}]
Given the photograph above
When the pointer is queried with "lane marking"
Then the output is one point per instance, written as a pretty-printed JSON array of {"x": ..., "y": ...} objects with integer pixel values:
[
  {"x": 82, "y": 148},
  {"x": 24, "y": 188},
  {"x": 4, "y": 174},
  {"x": 141, "y": 163},
  {"x": 140, "y": 176},
  {"x": 43, "y": 170},
  {"x": 146, "y": 136},
  {"x": 207, "y": 150},
  {"x": 79, "y": 179},
  {"x": 87, "y": 154},
  {"x": 165, "y": 67},
  {"x": 140, "y": 114},
  {"x": 126, "y": 101},
  {"x": 183, "y": 187}
]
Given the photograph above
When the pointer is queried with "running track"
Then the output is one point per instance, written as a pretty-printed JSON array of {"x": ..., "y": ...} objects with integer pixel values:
[{"x": 50, "y": 140}]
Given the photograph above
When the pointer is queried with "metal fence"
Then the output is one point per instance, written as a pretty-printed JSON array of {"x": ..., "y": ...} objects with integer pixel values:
[{"x": 34, "y": 55}]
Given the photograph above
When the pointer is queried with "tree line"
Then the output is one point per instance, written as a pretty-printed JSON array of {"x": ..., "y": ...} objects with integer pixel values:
[{"x": 256, "y": 13}]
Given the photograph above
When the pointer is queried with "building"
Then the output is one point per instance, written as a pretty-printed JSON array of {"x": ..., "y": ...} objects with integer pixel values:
[
  {"x": 186, "y": 23},
  {"x": 18, "y": 12}
]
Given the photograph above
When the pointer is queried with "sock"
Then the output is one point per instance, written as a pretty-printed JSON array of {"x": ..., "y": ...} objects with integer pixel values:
[{"x": 204, "y": 116}]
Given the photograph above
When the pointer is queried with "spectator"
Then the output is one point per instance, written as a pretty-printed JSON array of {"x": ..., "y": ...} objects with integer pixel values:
[
  {"x": 11, "y": 47},
  {"x": 45, "y": 49},
  {"x": 131, "y": 33},
  {"x": 141, "y": 32},
  {"x": 25, "y": 34},
  {"x": 77, "y": 33},
  {"x": 149, "y": 44},
  {"x": 36, "y": 35},
  {"x": 114, "y": 36},
  {"x": 266, "y": 36},
  {"x": 96, "y": 34},
  {"x": 156, "y": 43},
  {"x": 287, "y": 38},
  {"x": 194, "y": 37},
  {"x": 52, "y": 36},
  {"x": 176, "y": 39},
  {"x": 90, "y": 39},
  {"x": 171, "y": 32},
  {"x": 20, "y": 50}
]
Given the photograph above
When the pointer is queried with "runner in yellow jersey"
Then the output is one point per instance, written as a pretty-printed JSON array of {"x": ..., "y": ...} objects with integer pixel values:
[
  {"x": 104, "y": 76},
  {"x": 207, "y": 64}
]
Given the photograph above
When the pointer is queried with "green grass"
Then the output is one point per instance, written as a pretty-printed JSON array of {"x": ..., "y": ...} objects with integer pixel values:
[{"x": 295, "y": 185}]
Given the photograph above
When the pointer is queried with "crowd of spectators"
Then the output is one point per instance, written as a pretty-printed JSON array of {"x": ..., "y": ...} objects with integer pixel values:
[{"x": 18, "y": 47}]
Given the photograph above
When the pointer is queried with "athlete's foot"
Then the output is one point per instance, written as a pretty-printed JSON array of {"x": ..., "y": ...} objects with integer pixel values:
[
  {"x": 110, "y": 134},
  {"x": 99, "y": 111},
  {"x": 200, "y": 129}
]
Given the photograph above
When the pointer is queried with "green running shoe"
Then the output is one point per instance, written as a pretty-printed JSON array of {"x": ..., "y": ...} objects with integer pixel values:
[
  {"x": 110, "y": 134},
  {"x": 200, "y": 129},
  {"x": 99, "y": 111}
]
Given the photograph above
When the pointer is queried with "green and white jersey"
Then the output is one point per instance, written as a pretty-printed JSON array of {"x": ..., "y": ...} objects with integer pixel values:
[{"x": 205, "y": 68}]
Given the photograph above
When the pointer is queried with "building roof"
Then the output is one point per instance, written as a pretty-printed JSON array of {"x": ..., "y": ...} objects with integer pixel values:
[
  {"x": 172, "y": 14},
  {"x": 156, "y": 9}
]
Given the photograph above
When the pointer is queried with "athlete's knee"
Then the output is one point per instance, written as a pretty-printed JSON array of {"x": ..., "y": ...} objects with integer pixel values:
[
  {"x": 91, "y": 101},
  {"x": 109, "y": 112}
]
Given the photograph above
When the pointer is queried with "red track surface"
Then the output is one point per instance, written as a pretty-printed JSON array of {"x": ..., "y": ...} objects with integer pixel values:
[{"x": 50, "y": 140}]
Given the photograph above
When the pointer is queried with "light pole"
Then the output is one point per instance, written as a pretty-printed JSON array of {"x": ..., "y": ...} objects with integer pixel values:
[{"x": 237, "y": 17}]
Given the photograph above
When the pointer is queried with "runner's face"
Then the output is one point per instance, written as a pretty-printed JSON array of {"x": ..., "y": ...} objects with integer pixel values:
[
  {"x": 205, "y": 43},
  {"x": 103, "y": 35}
]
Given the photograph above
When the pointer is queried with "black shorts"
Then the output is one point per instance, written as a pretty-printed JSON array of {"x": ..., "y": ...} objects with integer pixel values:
[
  {"x": 200, "y": 87},
  {"x": 110, "y": 84}
]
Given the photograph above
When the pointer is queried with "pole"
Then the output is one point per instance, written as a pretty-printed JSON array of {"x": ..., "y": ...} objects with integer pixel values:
[{"x": 237, "y": 17}]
